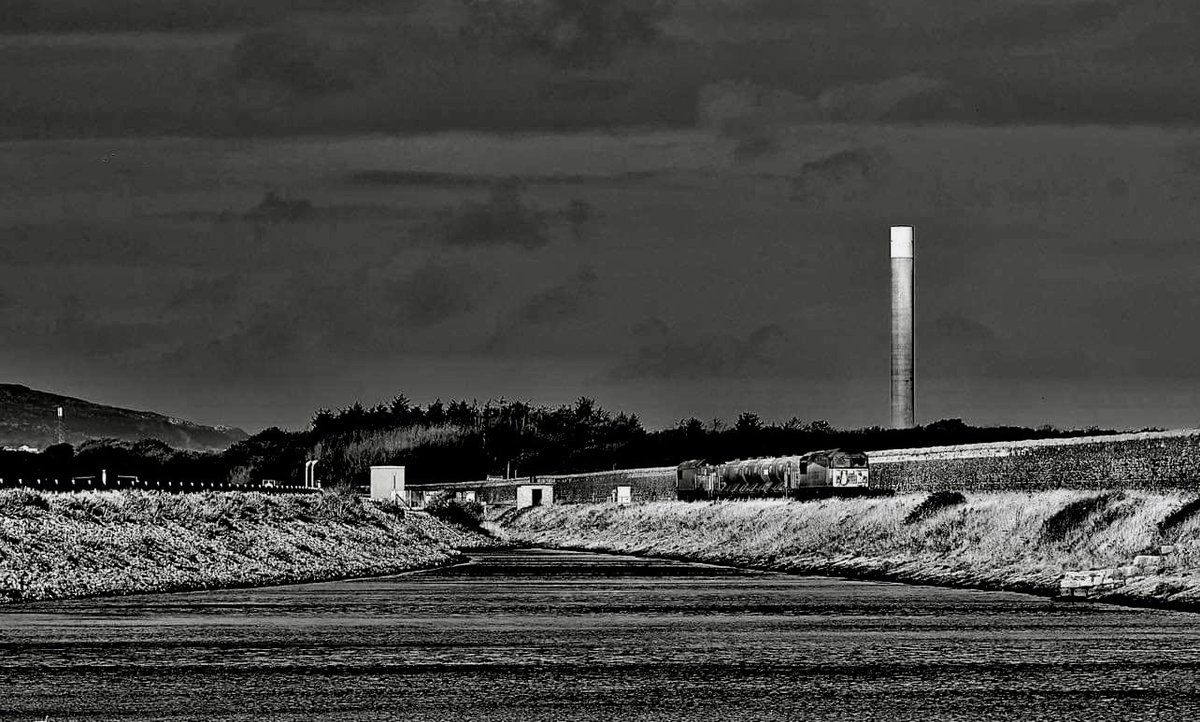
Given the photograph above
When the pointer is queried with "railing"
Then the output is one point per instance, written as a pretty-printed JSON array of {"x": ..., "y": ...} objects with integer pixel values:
[{"x": 103, "y": 483}]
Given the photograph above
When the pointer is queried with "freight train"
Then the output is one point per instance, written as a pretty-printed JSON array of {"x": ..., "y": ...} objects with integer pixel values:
[{"x": 817, "y": 474}]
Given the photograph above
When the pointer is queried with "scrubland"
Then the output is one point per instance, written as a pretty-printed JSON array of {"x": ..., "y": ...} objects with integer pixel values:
[
  {"x": 1004, "y": 541},
  {"x": 55, "y": 546}
]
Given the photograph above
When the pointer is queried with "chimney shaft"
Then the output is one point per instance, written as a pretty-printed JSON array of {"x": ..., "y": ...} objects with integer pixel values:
[{"x": 903, "y": 395}]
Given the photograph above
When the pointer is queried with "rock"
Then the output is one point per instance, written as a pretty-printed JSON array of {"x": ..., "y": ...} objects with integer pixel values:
[{"x": 1130, "y": 571}]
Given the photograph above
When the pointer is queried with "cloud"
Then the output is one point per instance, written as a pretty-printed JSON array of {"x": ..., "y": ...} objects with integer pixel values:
[
  {"x": 260, "y": 348},
  {"x": 437, "y": 292},
  {"x": 314, "y": 317},
  {"x": 209, "y": 293},
  {"x": 760, "y": 352},
  {"x": 436, "y": 179},
  {"x": 963, "y": 346},
  {"x": 504, "y": 219},
  {"x": 653, "y": 328},
  {"x": 961, "y": 328},
  {"x": 559, "y": 303},
  {"x": 77, "y": 328},
  {"x": 570, "y": 34}
]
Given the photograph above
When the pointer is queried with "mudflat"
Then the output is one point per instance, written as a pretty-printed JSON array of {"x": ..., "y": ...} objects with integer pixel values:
[{"x": 542, "y": 635}]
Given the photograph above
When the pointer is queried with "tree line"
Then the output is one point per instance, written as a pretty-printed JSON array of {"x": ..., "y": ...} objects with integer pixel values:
[{"x": 464, "y": 440}]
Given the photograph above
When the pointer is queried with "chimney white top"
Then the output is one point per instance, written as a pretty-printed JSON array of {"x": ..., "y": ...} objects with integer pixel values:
[{"x": 902, "y": 241}]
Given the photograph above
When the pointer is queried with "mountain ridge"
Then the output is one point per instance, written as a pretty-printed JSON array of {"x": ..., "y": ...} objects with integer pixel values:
[{"x": 28, "y": 418}]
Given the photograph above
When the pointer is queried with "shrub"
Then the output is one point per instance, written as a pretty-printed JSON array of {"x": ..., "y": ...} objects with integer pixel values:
[
  {"x": 15, "y": 502},
  {"x": 84, "y": 507},
  {"x": 1073, "y": 515},
  {"x": 1178, "y": 517},
  {"x": 392, "y": 507},
  {"x": 467, "y": 514},
  {"x": 339, "y": 503},
  {"x": 935, "y": 502}
]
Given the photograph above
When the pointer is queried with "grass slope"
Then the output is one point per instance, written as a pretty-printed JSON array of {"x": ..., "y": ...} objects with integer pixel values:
[
  {"x": 55, "y": 546},
  {"x": 1011, "y": 541}
]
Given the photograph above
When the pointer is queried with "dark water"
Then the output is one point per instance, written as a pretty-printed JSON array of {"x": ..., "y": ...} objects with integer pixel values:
[{"x": 538, "y": 635}]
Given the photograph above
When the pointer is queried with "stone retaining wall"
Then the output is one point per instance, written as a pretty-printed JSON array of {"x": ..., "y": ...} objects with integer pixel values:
[
  {"x": 1157, "y": 461},
  {"x": 651, "y": 484},
  {"x": 1110, "y": 580}
]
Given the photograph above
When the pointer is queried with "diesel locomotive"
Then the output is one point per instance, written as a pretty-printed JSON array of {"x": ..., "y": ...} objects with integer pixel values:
[{"x": 817, "y": 474}]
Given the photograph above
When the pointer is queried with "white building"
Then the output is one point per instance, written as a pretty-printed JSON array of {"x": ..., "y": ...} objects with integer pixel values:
[
  {"x": 534, "y": 495},
  {"x": 387, "y": 482}
]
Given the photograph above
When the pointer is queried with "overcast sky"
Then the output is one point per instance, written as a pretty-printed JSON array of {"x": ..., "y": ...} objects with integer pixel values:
[{"x": 283, "y": 253}]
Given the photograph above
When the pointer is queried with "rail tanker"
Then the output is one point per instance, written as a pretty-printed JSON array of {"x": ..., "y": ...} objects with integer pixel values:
[{"x": 834, "y": 472}]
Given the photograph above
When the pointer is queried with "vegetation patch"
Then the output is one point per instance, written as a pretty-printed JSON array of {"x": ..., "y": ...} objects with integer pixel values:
[
  {"x": 1075, "y": 514},
  {"x": 466, "y": 514},
  {"x": 934, "y": 503},
  {"x": 1177, "y": 518},
  {"x": 18, "y": 502},
  {"x": 991, "y": 540},
  {"x": 56, "y": 546}
]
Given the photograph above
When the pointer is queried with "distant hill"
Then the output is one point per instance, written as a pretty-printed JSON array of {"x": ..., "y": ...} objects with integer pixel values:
[{"x": 28, "y": 417}]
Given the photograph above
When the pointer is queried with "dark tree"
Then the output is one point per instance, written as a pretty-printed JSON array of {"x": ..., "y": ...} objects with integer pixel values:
[{"x": 748, "y": 422}]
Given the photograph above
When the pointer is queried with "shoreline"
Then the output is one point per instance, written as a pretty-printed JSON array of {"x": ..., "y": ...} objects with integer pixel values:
[
  {"x": 17, "y": 605},
  {"x": 817, "y": 539},
  {"x": 885, "y": 577}
]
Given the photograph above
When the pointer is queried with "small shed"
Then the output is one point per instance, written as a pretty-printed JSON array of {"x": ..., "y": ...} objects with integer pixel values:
[
  {"x": 534, "y": 495},
  {"x": 387, "y": 482}
]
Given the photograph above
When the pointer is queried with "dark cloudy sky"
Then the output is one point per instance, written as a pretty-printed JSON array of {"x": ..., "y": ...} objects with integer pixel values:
[{"x": 240, "y": 218}]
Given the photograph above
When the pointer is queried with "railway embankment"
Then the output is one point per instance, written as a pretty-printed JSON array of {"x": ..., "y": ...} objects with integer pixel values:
[
  {"x": 1027, "y": 542},
  {"x": 56, "y": 546}
]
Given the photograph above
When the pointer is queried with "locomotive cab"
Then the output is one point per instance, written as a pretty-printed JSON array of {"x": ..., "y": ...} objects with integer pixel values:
[
  {"x": 689, "y": 480},
  {"x": 836, "y": 468}
]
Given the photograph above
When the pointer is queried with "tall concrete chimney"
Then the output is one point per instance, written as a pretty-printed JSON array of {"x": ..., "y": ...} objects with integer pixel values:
[{"x": 903, "y": 396}]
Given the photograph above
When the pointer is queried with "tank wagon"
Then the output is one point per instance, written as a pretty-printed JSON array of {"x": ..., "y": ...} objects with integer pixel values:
[{"x": 833, "y": 472}]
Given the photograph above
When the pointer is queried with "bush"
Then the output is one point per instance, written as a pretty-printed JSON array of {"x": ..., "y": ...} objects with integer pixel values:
[
  {"x": 1073, "y": 515},
  {"x": 935, "y": 502},
  {"x": 467, "y": 514},
  {"x": 83, "y": 507},
  {"x": 1178, "y": 517},
  {"x": 15, "y": 502},
  {"x": 339, "y": 503}
]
